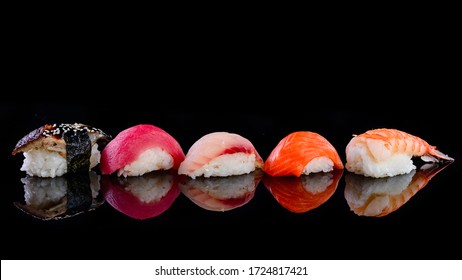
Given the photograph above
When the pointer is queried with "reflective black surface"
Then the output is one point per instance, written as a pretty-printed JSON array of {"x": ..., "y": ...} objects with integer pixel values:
[
  {"x": 141, "y": 197},
  {"x": 378, "y": 197},
  {"x": 221, "y": 193},
  {"x": 426, "y": 226},
  {"x": 60, "y": 197},
  {"x": 304, "y": 193}
]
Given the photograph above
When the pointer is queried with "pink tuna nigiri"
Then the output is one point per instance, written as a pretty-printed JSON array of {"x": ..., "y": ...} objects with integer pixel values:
[
  {"x": 302, "y": 152},
  {"x": 220, "y": 154},
  {"x": 141, "y": 149}
]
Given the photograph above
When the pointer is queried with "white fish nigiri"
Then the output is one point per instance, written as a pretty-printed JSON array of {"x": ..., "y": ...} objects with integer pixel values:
[
  {"x": 220, "y": 154},
  {"x": 388, "y": 152}
]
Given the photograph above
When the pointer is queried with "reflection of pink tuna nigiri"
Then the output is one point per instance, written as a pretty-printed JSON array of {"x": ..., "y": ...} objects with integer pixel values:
[
  {"x": 220, "y": 154},
  {"x": 302, "y": 152},
  {"x": 141, "y": 197},
  {"x": 141, "y": 149}
]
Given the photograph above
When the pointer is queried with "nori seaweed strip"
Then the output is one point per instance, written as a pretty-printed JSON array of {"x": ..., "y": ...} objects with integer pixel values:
[
  {"x": 78, "y": 151},
  {"x": 79, "y": 195}
]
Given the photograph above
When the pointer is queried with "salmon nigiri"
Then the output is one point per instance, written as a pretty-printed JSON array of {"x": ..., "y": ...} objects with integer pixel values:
[
  {"x": 302, "y": 152},
  {"x": 386, "y": 152},
  {"x": 220, "y": 154}
]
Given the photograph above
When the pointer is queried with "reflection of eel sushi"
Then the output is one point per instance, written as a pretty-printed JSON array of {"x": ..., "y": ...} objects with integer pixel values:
[
  {"x": 141, "y": 149},
  {"x": 304, "y": 193},
  {"x": 302, "y": 152},
  {"x": 220, "y": 154},
  {"x": 141, "y": 197},
  {"x": 54, "y": 150},
  {"x": 379, "y": 197},
  {"x": 60, "y": 197},
  {"x": 388, "y": 152},
  {"x": 221, "y": 193}
]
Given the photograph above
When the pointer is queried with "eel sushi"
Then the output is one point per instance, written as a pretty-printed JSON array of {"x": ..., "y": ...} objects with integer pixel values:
[
  {"x": 141, "y": 149},
  {"x": 220, "y": 154},
  {"x": 302, "y": 153},
  {"x": 304, "y": 193},
  {"x": 141, "y": 197},
  {"x": 386, "y": 152},
  {"x": 58, "y": 149},
  {"x": 221, "y": 193},
  {"x": 378, "y": 197}
]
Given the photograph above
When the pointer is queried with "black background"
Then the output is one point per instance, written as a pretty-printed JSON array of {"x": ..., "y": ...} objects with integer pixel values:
[{"x": 427, "y": 227}]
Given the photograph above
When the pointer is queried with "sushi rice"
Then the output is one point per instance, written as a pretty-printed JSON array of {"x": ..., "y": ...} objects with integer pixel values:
[
  {"x": 45, "y": 163},
  {"x": 361, "y": 161},
  {"x": 149, "y": 160},
  {"x": 319, "y": 164},
  {"x": 226, "y": 165}
]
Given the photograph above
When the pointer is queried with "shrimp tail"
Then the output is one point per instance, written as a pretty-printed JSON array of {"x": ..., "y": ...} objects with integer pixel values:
[{"x": 436, "y": 156}]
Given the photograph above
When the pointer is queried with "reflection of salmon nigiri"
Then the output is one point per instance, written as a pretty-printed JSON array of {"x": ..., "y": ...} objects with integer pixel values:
[
  {"x": 304, "y": 193},
  {"x": 388, "y": 152},
  {"x": 302, "y": 152},
  {"x": 220, "y": 154}
]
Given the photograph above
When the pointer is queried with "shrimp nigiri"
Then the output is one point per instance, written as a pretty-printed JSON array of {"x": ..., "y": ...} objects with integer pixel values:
[
  {"x": 386, "y": 152},
  {"x": 302, "y": 152},
  {"x": 220, "y": 154}
]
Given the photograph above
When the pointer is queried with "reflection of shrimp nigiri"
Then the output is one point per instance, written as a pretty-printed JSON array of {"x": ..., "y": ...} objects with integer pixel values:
[
  {"x": 302, "y": 152},
  {"x": 388, "y": 152},
  {"x": 304, "y": 193},
  {"x": 378, "y": 197}
]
